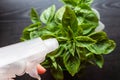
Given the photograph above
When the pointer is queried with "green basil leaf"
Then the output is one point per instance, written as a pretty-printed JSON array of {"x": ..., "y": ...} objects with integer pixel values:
[
  {"x": 71, "y": 63},
  {"x": 57, "y": 73},
  {"x": 91, "y": 18},
  {"x": 98, "y": 36},
  {"x": 69, "y": 19},
  {"x": 87, "y": 28},
  {"x": 26, "y": 32},
  {"x": 59, "y": 15},
  {"x": 54, "y": 28},
  {"x": 34, "y": 16},
  {"x": 25, "y": 35},
  {"x": 85, "y": 12},
  {"x": 43, "y": 31},
  {"x": 34, "y": 34},
  {"x": 111, "y": 47},
  {"x": 99, "y": 60},
  {"x": 34, "y": 27},
  {"x": 48, "y": 14},
  {"x": 46, "y": 36},
  {"x": 87, "y": 19},
  {"x": 84, "y": 41},
  {"x": 62, "y": 39},
  {"x": 102, "y": 47}
]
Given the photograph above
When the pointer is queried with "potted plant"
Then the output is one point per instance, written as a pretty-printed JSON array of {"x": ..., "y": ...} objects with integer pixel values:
[{"x": 80, "y": 34}]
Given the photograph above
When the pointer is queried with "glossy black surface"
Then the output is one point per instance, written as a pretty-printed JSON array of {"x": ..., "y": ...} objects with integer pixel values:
[{"x": 14, "y": 16}]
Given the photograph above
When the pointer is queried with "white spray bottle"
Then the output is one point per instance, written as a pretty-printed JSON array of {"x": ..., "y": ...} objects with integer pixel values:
[{"x": 23, "y": 57}]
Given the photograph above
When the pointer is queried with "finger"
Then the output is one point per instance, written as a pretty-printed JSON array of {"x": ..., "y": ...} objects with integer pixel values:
[{"x": 40, "y": 69}]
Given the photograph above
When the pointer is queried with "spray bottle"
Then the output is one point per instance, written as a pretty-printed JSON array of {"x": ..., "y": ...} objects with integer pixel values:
[{"x": 23, "y": 57}]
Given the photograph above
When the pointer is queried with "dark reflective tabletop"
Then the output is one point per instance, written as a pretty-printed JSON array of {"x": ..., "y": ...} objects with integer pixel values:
[{"x": 14, "y": 17}]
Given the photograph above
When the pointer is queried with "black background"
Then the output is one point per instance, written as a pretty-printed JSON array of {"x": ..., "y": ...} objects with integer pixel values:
[{"x": 14, "y": 17}]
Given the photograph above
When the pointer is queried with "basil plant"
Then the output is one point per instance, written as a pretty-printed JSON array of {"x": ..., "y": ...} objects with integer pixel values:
[{"x": 74, "y": 26}]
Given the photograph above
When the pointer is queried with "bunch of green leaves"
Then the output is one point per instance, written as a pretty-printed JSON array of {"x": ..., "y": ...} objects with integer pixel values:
[{"x": 73, "y": 25}]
